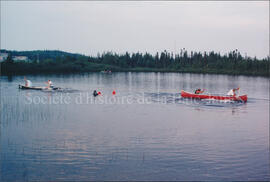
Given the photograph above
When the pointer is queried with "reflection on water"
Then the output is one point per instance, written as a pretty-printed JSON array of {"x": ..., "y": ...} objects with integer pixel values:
[{"x": 153, "y": 135}]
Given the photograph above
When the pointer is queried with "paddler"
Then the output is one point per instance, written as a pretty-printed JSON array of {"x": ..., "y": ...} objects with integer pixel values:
[
  {"x": 50, "y": 84},
  {"x": 28, "y": 83},
  {"x": 232, "y": 92},
  {"x": 199, "y": 91},
  {"x": 95, "y": 93}
]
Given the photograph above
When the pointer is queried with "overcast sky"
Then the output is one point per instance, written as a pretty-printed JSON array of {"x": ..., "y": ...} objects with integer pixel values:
[{"x": 91, "y": 27}]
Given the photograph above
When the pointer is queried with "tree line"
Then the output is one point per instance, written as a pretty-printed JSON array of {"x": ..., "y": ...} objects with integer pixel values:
[{"x": 184, "y": 61}]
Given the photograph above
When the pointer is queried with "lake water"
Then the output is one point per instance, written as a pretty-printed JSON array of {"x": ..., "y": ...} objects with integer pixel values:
[{"x": 144, "y": 132}]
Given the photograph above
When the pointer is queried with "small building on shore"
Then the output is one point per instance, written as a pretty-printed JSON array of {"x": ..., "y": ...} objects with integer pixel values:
[
  {"x": 3, "y": 57},
  {"x": 20, "y": 59}
]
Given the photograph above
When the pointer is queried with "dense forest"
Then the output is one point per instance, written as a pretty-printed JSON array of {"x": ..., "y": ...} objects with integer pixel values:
[{"x": 192, "y": 62}]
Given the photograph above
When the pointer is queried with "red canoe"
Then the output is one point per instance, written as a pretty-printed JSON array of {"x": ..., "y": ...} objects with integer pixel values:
[{"x": 242, "y": 98}]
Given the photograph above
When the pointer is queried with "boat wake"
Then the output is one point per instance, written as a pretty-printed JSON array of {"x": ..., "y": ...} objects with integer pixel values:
[{"x": 60, "y": 90}]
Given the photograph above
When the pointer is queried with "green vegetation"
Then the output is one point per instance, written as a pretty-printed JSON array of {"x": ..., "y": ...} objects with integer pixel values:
[{"x": 195, "y": 62}]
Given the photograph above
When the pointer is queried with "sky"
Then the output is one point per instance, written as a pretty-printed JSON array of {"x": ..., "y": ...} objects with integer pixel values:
[{"x": 95, "y": 27}]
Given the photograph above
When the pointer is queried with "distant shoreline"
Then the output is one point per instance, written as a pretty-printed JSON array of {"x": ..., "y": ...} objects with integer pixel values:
[
  {"x": 139, "y": 70},
  {"x": 59, "y": 62}
]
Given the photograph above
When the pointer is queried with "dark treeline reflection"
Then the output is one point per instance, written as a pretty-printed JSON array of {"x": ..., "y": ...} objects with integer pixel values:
[{"x": 184, "y": 61}]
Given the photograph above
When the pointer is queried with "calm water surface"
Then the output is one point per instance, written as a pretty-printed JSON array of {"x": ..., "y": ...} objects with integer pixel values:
[{"x": 145, "y": 132}]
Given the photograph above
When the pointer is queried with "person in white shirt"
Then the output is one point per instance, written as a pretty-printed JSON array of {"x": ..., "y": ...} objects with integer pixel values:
[
  {"x": 28, "y": 83},
  {"x": 232, "y": 92},
  {"x": 50, "y": 84}
]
